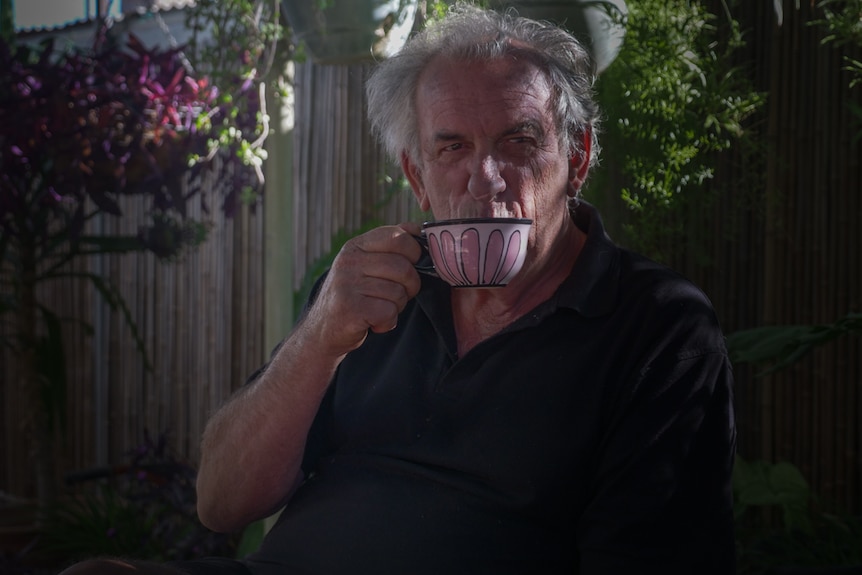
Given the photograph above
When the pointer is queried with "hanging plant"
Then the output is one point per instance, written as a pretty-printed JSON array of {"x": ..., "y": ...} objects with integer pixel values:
[
  {"x": 351, "y": 31},
  {"x": 243, "y": 47},
  {"x": 596, "y": 23}
]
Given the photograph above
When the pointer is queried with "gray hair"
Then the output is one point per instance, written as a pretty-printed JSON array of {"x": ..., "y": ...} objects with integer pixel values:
[{"x": 471, "y": 33}]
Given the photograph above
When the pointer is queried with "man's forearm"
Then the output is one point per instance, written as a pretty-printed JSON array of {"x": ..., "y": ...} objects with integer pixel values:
[{"x": 252, "y": 448}]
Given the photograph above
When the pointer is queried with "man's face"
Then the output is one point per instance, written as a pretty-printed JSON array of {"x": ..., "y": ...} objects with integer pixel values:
[{"x": 489, "y": 145}]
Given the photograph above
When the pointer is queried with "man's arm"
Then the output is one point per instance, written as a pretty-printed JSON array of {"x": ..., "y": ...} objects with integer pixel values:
[
  {"x": 662, "y": 496},
  {"x": 252, "y": 448}
]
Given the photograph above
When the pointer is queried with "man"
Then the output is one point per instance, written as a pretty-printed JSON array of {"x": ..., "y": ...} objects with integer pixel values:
[{"x": 578, "y": 420}]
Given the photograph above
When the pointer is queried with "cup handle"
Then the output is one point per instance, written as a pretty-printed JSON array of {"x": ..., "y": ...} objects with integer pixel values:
[{"x": 427, "y": 270}]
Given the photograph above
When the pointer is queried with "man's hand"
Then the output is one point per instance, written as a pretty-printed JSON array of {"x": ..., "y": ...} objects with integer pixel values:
[
  {"x": 251, "y": 454},
  {"x": 370, "y": 282}
]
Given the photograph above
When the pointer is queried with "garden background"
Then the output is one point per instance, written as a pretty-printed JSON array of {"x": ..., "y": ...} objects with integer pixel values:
[{"x": 772, "y": 237}]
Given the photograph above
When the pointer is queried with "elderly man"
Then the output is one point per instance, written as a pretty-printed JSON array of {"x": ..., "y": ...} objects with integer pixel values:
[{"x": 578, "y": 420}]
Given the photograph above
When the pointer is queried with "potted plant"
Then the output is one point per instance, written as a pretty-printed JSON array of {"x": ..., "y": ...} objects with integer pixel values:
[
  {"x": 350, "y": 31},
  {"x": 598, "y": 23}
]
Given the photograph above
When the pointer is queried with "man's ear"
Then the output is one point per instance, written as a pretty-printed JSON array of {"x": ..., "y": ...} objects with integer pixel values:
[
  {"x": 414, "y": 176},
  {"x": 579, "y": 162}
]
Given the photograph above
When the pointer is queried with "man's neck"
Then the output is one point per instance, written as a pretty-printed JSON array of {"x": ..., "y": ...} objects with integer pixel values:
[{"x": 480, "y": 313}]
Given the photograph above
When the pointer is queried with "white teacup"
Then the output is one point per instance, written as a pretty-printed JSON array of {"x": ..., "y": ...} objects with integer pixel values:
[{"x": 477, "y": 252}]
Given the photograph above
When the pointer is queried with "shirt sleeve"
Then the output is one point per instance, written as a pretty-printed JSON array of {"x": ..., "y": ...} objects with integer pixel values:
[{"x": 661, "y": 500}]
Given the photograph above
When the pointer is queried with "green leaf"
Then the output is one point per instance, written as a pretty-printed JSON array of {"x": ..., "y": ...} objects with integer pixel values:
[
  {"x": 783, "y": 346},
  {"x": 764, "y": 484},
  {"x": 112, "y": 296},
  {"x": 51, "y": 368},
  {"x": 252, "y": 537},
  {"x": 112, "y": 244}
]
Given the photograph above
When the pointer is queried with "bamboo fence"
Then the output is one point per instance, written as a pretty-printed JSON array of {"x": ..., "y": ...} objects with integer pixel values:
[
  {"x": 343, "y": 187},
  {"x": 781, "y": 245},
  {"x": 199, "y": 320},
  {"x": 202, "y": 317}
]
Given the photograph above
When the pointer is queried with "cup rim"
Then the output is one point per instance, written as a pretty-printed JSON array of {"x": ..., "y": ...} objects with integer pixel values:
[{"x": 487, "y": 220}]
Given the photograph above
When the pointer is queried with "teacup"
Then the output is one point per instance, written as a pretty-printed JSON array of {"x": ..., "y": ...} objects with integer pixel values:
[{"x": 477, "y": 252}]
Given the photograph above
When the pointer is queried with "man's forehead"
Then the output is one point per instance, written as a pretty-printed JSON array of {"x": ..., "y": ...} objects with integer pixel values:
[
  {"x": 497, "y": 82},
  {"x": 443, "y": 66},
  {"x": 501, "y": 84}
]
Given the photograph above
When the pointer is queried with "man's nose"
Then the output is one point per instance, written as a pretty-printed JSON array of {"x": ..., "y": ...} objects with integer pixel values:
[{"x": 485, "y": 179}]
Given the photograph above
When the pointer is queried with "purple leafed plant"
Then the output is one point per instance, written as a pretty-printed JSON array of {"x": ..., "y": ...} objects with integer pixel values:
[
  {"x": 78, "y": 130},
  {"x": 117, "y": 120}
]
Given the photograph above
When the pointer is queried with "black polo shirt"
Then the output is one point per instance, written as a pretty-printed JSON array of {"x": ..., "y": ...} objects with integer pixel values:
[{"x": 593, "y": 435}]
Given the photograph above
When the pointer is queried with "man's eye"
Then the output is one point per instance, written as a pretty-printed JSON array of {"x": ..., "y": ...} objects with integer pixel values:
[
  {"x": 521, "y": 145},
  {"x": 453, "y": 147}
]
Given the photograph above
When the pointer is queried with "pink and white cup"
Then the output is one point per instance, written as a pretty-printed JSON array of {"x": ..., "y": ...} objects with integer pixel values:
[{"x": 477, "y": 252}]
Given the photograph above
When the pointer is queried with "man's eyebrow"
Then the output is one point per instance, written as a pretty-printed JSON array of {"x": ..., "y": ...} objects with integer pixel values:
[
  {"x": 529, "y": 127},
  {"x": 447, "y": 136}
]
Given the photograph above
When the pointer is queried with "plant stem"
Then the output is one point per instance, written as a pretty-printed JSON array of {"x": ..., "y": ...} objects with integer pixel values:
[{"x": 36, "y": 424}]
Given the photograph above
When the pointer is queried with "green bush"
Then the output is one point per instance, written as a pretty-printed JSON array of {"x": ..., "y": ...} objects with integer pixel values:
[{"x": 672, "y": 99}]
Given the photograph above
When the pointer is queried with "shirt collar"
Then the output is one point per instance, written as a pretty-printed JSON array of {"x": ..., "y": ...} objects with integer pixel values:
[{"x": 592, "y": 287}]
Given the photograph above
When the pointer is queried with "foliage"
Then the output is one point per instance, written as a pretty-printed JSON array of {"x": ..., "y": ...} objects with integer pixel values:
[
  {"x": 144, "y": 510},
  {"x": 832, "y": 542},
  {"x": 758, "y": 483},
  {"x": 783, "y": 345},
  {"x": 673, "y": 98},
  {"x": 83, "y": 129},
  {"x": 7, "y": 20},
  {"x": 252, "y": 538},
  {"x": 807, "y": 536},
  {"x": 80, "y": 130},
  {"x": 842, "y": 21},
  {"x": 815, "y": 539},
  {"x": 241, "y": 43},
  {"x": 437, "y": 9}
]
